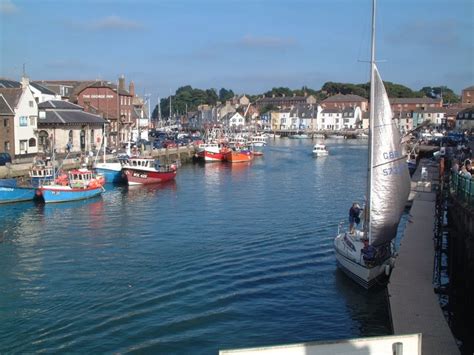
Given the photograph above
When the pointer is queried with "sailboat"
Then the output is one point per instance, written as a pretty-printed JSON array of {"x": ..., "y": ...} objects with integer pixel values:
[{"x": 367, "y": 254}]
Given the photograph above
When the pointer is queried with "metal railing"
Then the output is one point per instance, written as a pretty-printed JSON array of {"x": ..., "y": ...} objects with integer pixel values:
[{"x": 463, "y": 188}]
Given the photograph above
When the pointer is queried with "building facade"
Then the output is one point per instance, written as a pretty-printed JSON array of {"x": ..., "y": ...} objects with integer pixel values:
[{"x": 343, "y": 102}]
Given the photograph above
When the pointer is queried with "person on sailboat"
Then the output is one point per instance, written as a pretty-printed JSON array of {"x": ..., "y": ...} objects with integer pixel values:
[{"x": 354, "y": 216}]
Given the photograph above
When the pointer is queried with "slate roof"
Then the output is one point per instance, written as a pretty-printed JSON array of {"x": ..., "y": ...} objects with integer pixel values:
[
  {"x": 6, "y": 83},
  {"x": 5, "y": 109},
  {"x": 12, "y": 96},
  {"x": 468, "y": 88},
  {"x": 344, "y": 98},
  {"x": 59, "y": 104},
  {"x": 70, "y": 117},
  {"x": 43, "y": 89},
  {"x": 414, "y": 100},
  {"x": 331, "y": 110},
  {"x": 106, "y": 84}
]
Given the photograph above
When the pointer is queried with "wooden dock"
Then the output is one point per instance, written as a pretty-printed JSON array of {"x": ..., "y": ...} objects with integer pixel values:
[{"x": 414, "y": 306}]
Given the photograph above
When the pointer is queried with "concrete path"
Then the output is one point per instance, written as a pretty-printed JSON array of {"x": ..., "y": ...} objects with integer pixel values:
[{"x": 414, "y": 306}]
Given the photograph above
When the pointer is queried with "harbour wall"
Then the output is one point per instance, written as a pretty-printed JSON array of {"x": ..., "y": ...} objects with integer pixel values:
[{"x": 21, "y": 168}]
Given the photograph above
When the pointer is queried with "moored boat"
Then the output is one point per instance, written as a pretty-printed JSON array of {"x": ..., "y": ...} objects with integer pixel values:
[
  {"x": 79, "y": 184},
  {"x": 367, "y": 255},
  {"x": 41, "y": 172},
  {"x": 210, "y": 152},
  {"x": 11, "y": 192},
  {"x": 238, "y": 155},
  {"x": 138, "y": 171}
]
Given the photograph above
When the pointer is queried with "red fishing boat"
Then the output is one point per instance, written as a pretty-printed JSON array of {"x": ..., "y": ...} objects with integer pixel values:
[
  {"x": 210, "y": 152},
  {"x": 140, "y": 171}
]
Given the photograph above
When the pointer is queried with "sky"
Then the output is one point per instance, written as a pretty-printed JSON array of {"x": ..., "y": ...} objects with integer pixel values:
[{"x": 249, "y": 46}]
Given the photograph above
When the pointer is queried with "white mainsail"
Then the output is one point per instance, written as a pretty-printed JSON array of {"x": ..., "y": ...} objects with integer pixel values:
[{"x": 390, "y": 178}]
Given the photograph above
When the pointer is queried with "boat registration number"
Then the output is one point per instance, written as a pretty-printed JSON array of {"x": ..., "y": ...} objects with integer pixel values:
[{"x": 141, "y": 176}]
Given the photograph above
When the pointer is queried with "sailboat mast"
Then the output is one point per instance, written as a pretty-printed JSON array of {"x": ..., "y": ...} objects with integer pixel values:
[{"x": 367, "y": 224}]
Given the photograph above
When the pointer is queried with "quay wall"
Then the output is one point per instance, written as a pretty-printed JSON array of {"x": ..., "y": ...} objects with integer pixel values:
[{"x": 21, "y": 169}]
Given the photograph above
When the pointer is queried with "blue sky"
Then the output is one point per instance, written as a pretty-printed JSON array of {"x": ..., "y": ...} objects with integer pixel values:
[{"x": 247, "y": 46}]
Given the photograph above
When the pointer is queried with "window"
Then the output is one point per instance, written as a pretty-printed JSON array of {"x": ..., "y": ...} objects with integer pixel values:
[
  {"x": 71, "y": 137},
  {"x": 31, "y": 104},
  {"x": 92, "y": 137},
  {"x": 6, "y": 122},
  {"x": 6, "y": 146},
  {"x": 23, "y": 121},
  {"x": 32, "y": 121},
  {"x": 32, "y": 142}
]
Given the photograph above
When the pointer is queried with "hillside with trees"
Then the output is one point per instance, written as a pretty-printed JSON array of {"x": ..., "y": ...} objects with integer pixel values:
[{"x": 188, "y": 98}]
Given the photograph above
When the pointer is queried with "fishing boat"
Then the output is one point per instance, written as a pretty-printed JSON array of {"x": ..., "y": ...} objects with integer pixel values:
[
  {"x": 138, "y": 171},
  {"x": 210, "y": 152},
  {"x": 238, "y": 155},
  {"x": 257, "y": 140},
  {"x": 11, "y": 192},
  {"x": 367, "y": 254},
  {"x": 78, "y": 184},
  {"x": 110, "y": 168},
  {"x": 41, "y": 172},
  {"x": 320, "y": 150}
]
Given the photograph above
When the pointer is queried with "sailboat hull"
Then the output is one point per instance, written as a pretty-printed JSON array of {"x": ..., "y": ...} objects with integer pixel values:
[{"x": 350, "y": 261}]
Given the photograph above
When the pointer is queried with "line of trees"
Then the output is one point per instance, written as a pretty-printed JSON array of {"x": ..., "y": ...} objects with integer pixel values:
[{"x": 188, "y": 99}]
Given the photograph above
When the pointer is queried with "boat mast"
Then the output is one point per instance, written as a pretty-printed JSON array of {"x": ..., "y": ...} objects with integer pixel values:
[{"x": 367, "y": 224}]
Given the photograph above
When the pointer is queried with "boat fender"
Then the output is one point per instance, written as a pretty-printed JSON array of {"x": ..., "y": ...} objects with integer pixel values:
[{"x": 387, "y": 270}]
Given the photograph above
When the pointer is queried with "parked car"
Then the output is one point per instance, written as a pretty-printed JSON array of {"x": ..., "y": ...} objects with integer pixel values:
[{"x": 5, "y": 158}]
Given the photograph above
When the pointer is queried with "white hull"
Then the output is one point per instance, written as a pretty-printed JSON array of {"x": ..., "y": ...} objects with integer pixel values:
[{"x": 351, "y": 262}]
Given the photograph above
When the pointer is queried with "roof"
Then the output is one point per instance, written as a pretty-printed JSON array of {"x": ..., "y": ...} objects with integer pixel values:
[
  {"x": 12, "y": 96},
  {"x": 59, "y": 104},
  {"x": 5, "y": 108},
  {"x": 414, "y": 100},
  {"x": 283, "y": 98},
  {"x": 470, "y": 88},
  {"x": 6, "y": 83},
  {"x": 70, "y": 117},
  {"x": 43, "y": 89},
  {"x": 431, "y": 110},
  {"x": 344, "y": 98},
  {"x": 331, "y": 110},
  {"x": 106, "y": 84}
]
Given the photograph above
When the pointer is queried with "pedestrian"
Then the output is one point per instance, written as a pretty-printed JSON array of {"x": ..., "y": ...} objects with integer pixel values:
[
  {"x": 68, "y": 147},
  {"x": 354, "y": 213}
]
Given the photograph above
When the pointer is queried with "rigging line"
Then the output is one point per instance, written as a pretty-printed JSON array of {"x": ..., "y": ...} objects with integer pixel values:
[
  {"x": 384, "y": 125},
  {"x": 388, "y": 162}
]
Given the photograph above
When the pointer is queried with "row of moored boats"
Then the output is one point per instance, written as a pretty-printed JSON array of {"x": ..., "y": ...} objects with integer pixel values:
[{"x": 48, "y": 184}]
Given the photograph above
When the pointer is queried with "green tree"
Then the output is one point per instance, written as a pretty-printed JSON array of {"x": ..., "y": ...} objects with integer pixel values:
[{"x": 225, "y": 94}]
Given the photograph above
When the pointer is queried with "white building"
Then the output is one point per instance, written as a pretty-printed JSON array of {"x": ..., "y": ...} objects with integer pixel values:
[
  {"x": 280, "y": 120},
  {"x": 25, "y": 109}
]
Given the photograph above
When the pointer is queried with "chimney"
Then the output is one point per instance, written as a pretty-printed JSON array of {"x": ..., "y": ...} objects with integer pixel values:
[
  {"x": 25, "y": 81},
  {"x": 131, "y": 88},
  {"x": 122, "y": 82}
]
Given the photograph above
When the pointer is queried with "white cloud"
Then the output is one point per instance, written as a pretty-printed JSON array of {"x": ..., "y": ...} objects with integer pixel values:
[
  {"x": 7, "y": 7},
  {"x": 266, "y": 42},
  {"x": 115, "y": 23},
  {"x": 112, "y": 22}
]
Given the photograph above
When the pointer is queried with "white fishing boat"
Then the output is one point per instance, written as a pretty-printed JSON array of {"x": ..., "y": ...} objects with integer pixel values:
[
  {"x": 366, "y": 254},
  {"x": 320, "y": 150}
]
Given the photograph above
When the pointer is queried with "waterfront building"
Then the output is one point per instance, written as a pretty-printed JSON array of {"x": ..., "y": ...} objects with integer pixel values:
[
  {"x": 304, "y": 117},
  {"x": 467, "y": 97},
  {"x": 285, "y": 101},
  {"x": 40, "y": 92},
  {"x": 465, "y": 119},
  {"x": 280, "y": 120},
  {"x": 62, "y": 122},
  {"x": 415, "y": 103},
  {"x": 343, "y": 102},
  {"x": 114, "y": 103},
  {"x": 19, "y": 112},
  {"x": 233, "y": 120},
  {"x": 436, "y": 116},
  {"x": 330, "y": 119},
  {"x": 404, "y": 120}
]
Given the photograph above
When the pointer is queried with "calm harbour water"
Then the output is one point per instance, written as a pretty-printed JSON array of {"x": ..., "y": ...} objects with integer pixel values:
[{"x": 226, "y": 256}]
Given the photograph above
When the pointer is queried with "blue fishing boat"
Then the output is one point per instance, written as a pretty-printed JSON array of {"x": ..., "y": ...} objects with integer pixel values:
[
  {"x": 111, "y": 170},
  {"x": 11, "y": 192},
  {"x": 41, "y": 172},
  {"x": 79, "y": 184}
]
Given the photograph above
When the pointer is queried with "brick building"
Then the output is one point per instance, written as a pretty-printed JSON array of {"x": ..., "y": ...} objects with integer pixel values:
[
  {"x": 342, "y": 102},
  {"x": 415, "y": 103},
  {"x": 467, "y": 97},
  {"x": 114, "y": 104}
]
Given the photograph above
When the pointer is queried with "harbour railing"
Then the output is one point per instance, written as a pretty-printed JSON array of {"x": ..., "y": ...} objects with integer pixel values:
[{"x": 462, "y": 188}]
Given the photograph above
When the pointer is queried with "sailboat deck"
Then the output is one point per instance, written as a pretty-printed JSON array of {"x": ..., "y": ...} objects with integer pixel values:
[{"x": 414, "y": 306}]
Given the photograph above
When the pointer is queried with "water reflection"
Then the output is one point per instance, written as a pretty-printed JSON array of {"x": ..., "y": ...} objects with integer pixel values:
[{"x": 150, "y": 191}]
